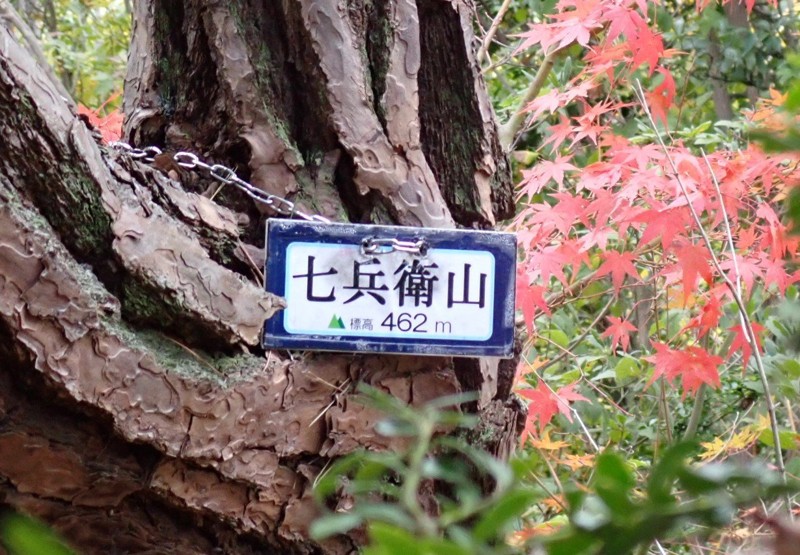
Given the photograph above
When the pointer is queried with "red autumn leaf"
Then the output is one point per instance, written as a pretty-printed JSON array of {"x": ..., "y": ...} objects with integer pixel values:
[
  {"x": 544, "y": 405},
  {"x": 624, "y": 21},
  {"x": 740, "y": 342},
  {"x": 559, "y": 132},
  {"x": 747, "y": 267},
  {"x": 664, "y": 224},
  {"x": 618, "y": 264},
  {"x": 647, "y": 48},
  {"x": 110, "y": 125},
  {"x": 535, "y": 179},
  {"x": 694, "y": 261},
  {"x": 528, "y": 299},
  {"x": 565, "y": 396},
  {"x": 660, "y": 99},
  {"x": 708, "y": 318},
  {"x": 619, "y": 331},
  {"x": 694, "y": 366}
]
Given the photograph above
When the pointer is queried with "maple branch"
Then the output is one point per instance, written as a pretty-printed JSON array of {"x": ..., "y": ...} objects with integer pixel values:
[
  {"x": 508, "y": 131},
  {"x": 728, "y": 231},
  {"x": 750, "y": 332},
  {"x": 568, "y": 350},
  {"x": 487, "y": 40}
]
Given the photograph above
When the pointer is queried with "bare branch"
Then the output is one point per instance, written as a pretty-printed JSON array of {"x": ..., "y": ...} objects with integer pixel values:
[
  {"x": 510, "y": 129},
  {"x": 487, "y": 40}
]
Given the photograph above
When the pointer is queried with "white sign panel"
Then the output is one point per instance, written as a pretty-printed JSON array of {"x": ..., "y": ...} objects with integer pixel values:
[
  {"x": 372, "y": 288},
  {"x": 339, "y": 291}
]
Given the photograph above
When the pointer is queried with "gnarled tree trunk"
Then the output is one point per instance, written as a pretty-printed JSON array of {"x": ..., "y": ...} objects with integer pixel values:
[{"x": 137, "y": 413}]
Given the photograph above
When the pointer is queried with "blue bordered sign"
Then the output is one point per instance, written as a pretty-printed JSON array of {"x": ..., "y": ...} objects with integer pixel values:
[{"x": 368, "y": 288}]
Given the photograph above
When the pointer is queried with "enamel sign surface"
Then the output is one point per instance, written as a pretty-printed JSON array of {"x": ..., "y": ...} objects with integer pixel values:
[{"x": 366, "y": 288}]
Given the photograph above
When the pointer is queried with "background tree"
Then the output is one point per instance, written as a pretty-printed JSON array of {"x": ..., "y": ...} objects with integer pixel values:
[{"x": 136, "y": 410}]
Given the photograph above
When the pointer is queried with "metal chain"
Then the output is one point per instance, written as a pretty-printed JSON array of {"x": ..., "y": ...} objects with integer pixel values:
[
  {"x": 224, "y": 175},
  {"x": 377, "y": 245},
  {"x": 284, "y": 207}
]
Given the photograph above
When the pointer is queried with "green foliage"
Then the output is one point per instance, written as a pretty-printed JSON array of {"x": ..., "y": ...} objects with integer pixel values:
[
  {"x": 387, "y": 487},
  {"x": 616, "y": 518},
  {"x": 21, "y": 535},
  {"x": 388, "y": 493},
  {"x": 86, "y": 42}
]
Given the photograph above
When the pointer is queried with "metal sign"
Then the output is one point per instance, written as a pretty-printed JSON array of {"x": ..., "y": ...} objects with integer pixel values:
[{"x": 369, "y": 288}]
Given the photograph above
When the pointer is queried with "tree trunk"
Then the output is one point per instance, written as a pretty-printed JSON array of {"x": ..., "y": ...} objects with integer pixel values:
[{"x": 137, "y": 413}]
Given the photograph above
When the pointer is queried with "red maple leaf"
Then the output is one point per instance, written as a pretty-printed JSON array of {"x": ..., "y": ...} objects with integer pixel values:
[
  {"x": 565, "y": 396},
  {"x": 110, "y": 125},
  {"x": 528, "y": 299},
  {"x": 618, "y": 264},
  {"x": 660, "y": 99},
  {"x": 708, "y": 318},
  {"x": 535, "y": 179},
  {"x": 693, "y": 261},
  {"x": 619, "y": 331},
  {"x": 647, "y": 48},
  {"x": 740, "y": 342},
  {"x": 694, "y": 366},
  {"x": 545, "y": 404},
  {"x": 662, "y": 224},
  {"x": 559, "y": 132}
]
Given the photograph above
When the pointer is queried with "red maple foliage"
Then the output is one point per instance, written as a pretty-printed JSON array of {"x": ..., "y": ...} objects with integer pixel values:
[
  {"x": 545, "y": 404},
  {"x": 693, "y": 365},
  {"x": 109, "y": 125},
  {"x": 619, "y": 331},
  {"x": 637, "y": 215}
]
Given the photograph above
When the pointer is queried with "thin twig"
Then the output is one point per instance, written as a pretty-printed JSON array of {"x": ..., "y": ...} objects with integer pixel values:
[
  {"x": 577, "y": 416},
  {"x": 728, "y": 231},
  {"x": 257, "y": 273},
  {"x": 748, "y": 326},
  {"x": 487, "y": 40},
  {"x": 577, "y": 341}
]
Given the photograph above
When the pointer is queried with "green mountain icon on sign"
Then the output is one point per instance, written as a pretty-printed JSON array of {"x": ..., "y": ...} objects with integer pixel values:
[{"x": 336, "y": 323}]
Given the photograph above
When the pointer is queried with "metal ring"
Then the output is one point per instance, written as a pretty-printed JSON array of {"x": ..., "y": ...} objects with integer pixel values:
[
  {"x": 186, "y": 160},
  {"x": 222, "y": 173}
]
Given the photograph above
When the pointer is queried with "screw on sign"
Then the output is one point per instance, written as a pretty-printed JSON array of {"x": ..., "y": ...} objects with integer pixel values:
[{"x": 391, "y": 289}]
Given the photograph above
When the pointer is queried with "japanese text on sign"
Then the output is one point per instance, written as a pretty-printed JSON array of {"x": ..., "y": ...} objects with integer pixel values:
[{"x": 336, "y": 290}]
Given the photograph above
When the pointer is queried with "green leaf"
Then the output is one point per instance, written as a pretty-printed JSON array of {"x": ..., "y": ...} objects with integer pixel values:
[
  {"x": 509, "y": 507},
  {"x": 788, "y": 439},
  {"x": 391, "y": 540},
  {"x": 627, "y": 369},
  {"x": 332, "y": 524},
  {"x": 666, "y": 472},
  {"x": 24, "y": 536},
  {"x": 613, "y": 482}
]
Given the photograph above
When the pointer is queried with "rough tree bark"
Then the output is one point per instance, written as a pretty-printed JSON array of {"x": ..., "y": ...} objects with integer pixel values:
[{"x": 137, "y": 413}]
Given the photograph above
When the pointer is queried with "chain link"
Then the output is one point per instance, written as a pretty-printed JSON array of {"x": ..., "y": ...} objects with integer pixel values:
[
  {"x": 224, "y": 175},
  {"x": 377, "y": 245},
  {"x": 284, "y": 207}
]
